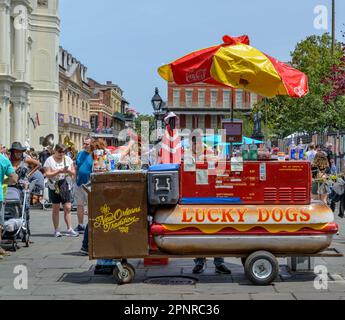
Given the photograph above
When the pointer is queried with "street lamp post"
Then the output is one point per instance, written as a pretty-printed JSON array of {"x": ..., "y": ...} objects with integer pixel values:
[{"x": 157, "y": 104}]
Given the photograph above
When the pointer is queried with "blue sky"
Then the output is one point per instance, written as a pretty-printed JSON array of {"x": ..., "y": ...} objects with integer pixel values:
[{"x": 126, "y": 41}]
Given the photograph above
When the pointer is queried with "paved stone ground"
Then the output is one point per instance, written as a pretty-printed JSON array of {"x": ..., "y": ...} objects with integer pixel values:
[{"x": 57, "y": 271}]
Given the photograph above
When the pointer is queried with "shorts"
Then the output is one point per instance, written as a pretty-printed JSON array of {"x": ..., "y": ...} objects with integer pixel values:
[
  {"x": 56, "y": 198},
  {"x": 2, "y": 214},
  {"x": 80, "y": 196},
  {"x": 323, "y": 189}
]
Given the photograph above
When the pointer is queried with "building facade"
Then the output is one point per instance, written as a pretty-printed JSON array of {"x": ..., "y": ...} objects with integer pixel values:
[
  {"x": 107, "y": 108},
  {"x": 29, "y": 78},
  {"x": 75, "y": 95},
  {"x": 204, "y": 106}
]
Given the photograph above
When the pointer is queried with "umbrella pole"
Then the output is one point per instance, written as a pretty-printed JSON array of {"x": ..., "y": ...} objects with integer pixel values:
[{"x": 232, "y": 115}]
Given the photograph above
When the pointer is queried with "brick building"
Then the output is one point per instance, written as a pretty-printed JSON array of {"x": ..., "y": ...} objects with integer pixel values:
[
  {"x": 107, "y": 108},
  {"x": 204, "y": 106}
]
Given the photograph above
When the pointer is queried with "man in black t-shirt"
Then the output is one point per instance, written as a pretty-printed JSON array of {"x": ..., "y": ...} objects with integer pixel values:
[{"x": 44, "y": 155}]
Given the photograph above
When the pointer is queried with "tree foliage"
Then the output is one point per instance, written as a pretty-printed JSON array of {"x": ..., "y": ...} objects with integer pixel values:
[
  {"x": 144, "y": 118},
  {"x": 336, "y": 79},
  {"x": 309, "y": 114}
]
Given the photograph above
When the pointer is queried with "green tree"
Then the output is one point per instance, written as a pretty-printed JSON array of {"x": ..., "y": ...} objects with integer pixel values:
[
  {"x": 310, "y": 114},
  {"x": 144, "y": 118}
]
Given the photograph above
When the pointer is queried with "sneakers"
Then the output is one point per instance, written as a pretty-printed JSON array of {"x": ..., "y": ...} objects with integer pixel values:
[
  {"x": 84, "y": 252},
  {"x": 222, "y": 269},
  {"x": 80, "y": 229},
  {"x": 72, "y": 233},
  {"x": 57, "y": 234},
  {"x": 199, "y": 268}
]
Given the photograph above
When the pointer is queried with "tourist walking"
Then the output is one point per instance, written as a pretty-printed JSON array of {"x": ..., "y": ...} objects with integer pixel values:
[{"x": 60, "y": 171}]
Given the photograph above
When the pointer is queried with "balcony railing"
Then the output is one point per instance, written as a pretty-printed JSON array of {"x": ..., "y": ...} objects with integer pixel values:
[
  {"x": 85, "y": 125},
  {"x": 108, "y": 131},
  {"x": 73, "y": 121}
]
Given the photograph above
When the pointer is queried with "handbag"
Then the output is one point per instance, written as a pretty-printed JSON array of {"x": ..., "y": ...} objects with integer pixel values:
[{"x": 62, "y": 189}]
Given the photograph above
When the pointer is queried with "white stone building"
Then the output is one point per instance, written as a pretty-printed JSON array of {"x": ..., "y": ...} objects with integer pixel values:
[{"x": 29, "y": 71}]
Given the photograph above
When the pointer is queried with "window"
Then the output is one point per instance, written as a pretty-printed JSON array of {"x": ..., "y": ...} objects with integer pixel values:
[
  {"x": 253, "y": 99},
  {"x": 226, "y": 99},
  {"x": 214, "y": 95},
  {"x": 94, "y": 121},
  {"x": 176, "y": 98},
  {"x": 239, "y": 99},
  {"x": 189, "y": 98},
  {"x": 201, "y": 99},
  {"x": 189, "y": 122},
  {"x": 42, "y": 3}
]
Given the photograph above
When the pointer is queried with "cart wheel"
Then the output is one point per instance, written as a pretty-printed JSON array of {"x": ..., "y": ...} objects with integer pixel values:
[
  {"x": 261, "y": 268},
  {"x": 127, "y": 276}
]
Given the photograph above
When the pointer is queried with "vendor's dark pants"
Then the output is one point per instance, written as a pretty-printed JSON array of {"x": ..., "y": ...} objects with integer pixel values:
[{"x": 217, "y": 261}]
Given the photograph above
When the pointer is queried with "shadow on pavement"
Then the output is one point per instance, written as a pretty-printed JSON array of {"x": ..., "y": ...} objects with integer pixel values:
[
  {"x": 44, "y": 235},
  {"x": 74, "y": 254}
]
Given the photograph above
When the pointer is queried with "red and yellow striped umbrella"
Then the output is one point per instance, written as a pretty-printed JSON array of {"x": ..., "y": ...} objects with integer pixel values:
[{"x": 236, "y": 64}]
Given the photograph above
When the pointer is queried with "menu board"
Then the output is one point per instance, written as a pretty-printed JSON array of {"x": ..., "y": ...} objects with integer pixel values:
[{"x": 234, "y": 131}]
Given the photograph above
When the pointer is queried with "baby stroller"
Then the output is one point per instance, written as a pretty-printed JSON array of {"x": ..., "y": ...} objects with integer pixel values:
[{"x": 16, "y": 213}]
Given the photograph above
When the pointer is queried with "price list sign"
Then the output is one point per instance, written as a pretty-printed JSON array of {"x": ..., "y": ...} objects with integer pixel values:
[{"x": 234, "y": 131}]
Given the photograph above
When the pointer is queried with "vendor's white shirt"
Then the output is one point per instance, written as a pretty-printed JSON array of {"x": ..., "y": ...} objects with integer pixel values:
[
  {"x": 311, "y": 155},
  {"x": 51, "y": 163}
]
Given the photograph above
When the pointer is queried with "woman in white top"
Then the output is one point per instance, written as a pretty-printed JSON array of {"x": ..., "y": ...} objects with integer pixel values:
[{"x": 60, "y": 171}]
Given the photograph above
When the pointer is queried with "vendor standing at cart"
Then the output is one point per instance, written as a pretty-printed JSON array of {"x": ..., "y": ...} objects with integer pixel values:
[{"x": 219, "y": 263}]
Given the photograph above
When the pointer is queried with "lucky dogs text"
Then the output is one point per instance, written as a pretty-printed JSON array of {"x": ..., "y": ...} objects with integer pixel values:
[{"x": 238, "y": 215}]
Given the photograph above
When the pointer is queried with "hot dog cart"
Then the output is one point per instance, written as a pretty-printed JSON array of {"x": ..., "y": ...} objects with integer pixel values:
[{"x": 256, "y": 211}]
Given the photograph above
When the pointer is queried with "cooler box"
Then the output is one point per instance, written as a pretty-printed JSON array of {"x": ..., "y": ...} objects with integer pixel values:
[
  {"x": 163, "y": 184},
  {"x": 118, "y": 225}
]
